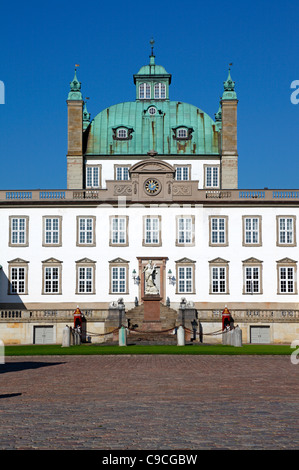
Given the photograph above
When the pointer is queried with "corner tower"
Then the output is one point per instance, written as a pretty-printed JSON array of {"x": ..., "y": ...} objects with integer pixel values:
[
  {"x": 229, "y": 151},
  {"x": 75, "y": 136}
]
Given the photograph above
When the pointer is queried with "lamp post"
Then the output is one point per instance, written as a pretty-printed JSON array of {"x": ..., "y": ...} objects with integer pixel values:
[
  {"x": 183, "y": 308},
  {"x": 121, "y": 308}
]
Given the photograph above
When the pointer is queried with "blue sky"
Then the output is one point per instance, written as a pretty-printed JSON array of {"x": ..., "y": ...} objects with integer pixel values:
[{"x": 194, "y": 40}]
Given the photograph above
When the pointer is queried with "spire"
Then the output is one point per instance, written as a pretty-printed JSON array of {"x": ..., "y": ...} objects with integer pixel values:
[
  {"x": 75, "y": 88},
  {"x": 86, "y": 116},
  {"x": 229, "y": 87},
  {"x": 218, "y": 118}
]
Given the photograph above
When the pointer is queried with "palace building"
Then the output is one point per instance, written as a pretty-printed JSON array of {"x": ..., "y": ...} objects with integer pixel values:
[{"x": 149, "y": 182}]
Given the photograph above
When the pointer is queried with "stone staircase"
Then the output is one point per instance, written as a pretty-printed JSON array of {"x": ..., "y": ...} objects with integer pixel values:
[{"x": 168, "y": 317}]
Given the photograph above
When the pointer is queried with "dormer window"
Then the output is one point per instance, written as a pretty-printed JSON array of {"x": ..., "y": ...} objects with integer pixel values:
[
  {"x": 182, "y": 133},
  {"x": 152, "y": 110},
  {"x": 122, "y": 133},
  {"x": 144, "y": 91},
  {"x": 160, "y": 91}
]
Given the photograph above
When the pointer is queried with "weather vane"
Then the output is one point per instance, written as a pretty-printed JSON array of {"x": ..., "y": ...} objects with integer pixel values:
[{"x": 152, "y": 42}]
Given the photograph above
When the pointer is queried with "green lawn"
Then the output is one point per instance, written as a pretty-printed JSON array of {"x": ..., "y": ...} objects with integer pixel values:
[{"x": 94, "y": 349}]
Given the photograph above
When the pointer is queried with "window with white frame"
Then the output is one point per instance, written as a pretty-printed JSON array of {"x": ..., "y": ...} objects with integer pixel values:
[
  {"x": 286, "y": 235},
  {"x": 286, "y": 279},
  {"x": 252, "y": 279},
  {"x": 211, "y": 176},
  {"x": 118, "y": 230},
  {"x": 219, "y": 276},
  {"x": 218, "y": 231},
  {"x": 18, "y": 231},
  {"x": 122, "y": 133},
  {"x": 185, "y": 230},
  {"x": 182, "y": 173},
  {"x": 182, "y": 133},
  {"x": 159, "y": 91},
  {"x": 122, "y": 173},
  {"x": 86, "y": 231},
  {"x": 144, "y": 91},
  {"x": 152, "y": 230},
  {"x": 252, "y": 231},
  {"x": 17, "y": 280},
  {"x": 185, "y": 279},
  {"x": 93, "y": 176},
  {"x": 52, "y": 231},
  {"x": 85, "y": 279},
  {"x": 51, "y": 280}
]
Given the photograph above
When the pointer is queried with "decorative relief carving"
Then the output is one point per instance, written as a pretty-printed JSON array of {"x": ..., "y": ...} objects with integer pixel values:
[
  {"x": 122, "y": 189},
  {"x": 182, "y": 190}
]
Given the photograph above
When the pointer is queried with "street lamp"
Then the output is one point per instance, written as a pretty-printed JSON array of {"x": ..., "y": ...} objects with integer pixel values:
[
  {"x": 136, "y": 278},
  {"x": 121, "y": 308},
  {"x": 183, "y": 308}
]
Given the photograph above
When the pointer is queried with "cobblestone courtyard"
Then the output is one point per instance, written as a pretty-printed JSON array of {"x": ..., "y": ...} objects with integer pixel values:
[{"x": 149, "y": 402}]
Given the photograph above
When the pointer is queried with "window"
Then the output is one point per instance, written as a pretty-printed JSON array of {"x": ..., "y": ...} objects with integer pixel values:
[
  {"x": 252, "y": 280},
  {"x": 185, "y": 272},
  {"x": 152, "y": 231},
  {"x": 122, "y": 173},
  {"x": 93, "y": 176},
  {"x": 86, "y": 231},
  {"x": 119, "y": 276},
  {"x": 52, "y": 276},
  {"x": 182, "y": 173},
  {"x": 18, "y": 276},
  {"x": 85, "y": 276},
  {"x": 122, "y": 133},
  {"x": 182, "y": 133},
  {"x": 286, "y": 234},
  {"x": 287, "y": 273},
  {"x": 144, "y": 91},
  {"x": 152, "y": 110},
  {"x": 52, "y": 231},
  {"x": 219, "y": 276},
  {"x": 185, "y": 230},
  {"x": 159, "y": 91},
  {"x": 211, "y": 176},
  {"x": 18, "y": 231},
  {"x": 218, "y": 231},
  {"x": 119, "y": 230},
  {"x": 252, "y": 230}
]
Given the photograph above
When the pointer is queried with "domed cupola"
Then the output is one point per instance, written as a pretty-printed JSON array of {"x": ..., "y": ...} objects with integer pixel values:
[{"x": 152, "y": 81}]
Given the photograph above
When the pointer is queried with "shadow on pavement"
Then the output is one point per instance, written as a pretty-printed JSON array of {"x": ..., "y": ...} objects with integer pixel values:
[
  {"x": 19, "y": 366},
  {"x": 9, "y": 395}
]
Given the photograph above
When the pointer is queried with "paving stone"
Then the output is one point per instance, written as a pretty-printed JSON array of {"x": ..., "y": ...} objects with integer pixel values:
[{"x": 149, "y": 402}]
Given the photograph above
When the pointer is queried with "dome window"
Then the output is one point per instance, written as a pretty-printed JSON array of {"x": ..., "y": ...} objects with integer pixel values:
[
  {"x": 122, "y": 133},
  {"x": 152, "y": 110},
  {"x": 182, "y": 133},
  {"x": 160, "y": 91},
  {"x": 144, "y": 91}
]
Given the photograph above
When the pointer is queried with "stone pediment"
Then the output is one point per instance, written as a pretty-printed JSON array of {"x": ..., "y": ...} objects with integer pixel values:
[
  {"x": 252, "y": 261},
  {"x": 185, "y": 260},
  {"x": 18, "y": 261},
  {"x": 52, "y": 261},
  {"x": 218, "y": 261},
  {"x": 152, "y": 165},
  {"x": 85, "y": 260},
  {"x": 119, "y": 261},
  {"x": 286, "y": 260}
]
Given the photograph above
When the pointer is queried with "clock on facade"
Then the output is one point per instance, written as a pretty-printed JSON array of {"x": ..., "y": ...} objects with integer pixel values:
[{"x": 152, "y": 186}]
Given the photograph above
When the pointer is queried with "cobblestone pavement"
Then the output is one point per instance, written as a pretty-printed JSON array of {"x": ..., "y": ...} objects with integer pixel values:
[{"x": 149, "y": 402}]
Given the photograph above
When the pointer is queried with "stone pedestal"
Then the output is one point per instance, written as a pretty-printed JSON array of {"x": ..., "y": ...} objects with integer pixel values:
[{"x": 151, "y": 319}]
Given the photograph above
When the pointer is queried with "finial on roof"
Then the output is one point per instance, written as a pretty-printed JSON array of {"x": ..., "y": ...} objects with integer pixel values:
[
  {"x": 229, "y": 87},
  {"x": 152, "y": 57},
  {"x": 86, "y": 116},
  {"x": 75, "y": 87}
]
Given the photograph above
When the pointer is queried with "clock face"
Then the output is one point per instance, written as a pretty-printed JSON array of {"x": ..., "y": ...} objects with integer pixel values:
[{"x": 152, "y": 186}]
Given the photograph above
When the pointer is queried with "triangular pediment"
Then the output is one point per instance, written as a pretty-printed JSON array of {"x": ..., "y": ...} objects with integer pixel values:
[
  {"x": 52, "y": 261},
  {"x": 85, "y": 260},
  {"x": 185, "y": 260},
  {"x": 18, "y": 261},
  {"x": 252, "y": 260},
  {"x": 218, "y": 260},
  {"x": 119, "y": 261},
  {"x": 286, "y": 260}
]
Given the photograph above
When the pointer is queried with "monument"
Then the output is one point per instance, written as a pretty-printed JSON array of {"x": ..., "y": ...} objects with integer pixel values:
[{"x": 151, "y": 298}]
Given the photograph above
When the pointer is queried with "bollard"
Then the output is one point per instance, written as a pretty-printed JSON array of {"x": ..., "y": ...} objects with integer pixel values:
[
  {"x": 122, "y": 336},
  {"x": 181, "y": 336},
  {"x": 66, "y": 337}
]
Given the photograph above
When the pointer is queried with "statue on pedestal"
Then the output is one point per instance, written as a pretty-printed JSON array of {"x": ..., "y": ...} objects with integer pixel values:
[{"x": 150, "y": 272}]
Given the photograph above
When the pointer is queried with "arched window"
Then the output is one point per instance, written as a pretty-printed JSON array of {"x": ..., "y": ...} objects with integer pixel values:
[
  {"x": 159, "y": 91},
  {"x": 144, "y": 91}
]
